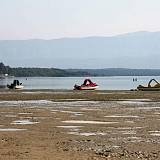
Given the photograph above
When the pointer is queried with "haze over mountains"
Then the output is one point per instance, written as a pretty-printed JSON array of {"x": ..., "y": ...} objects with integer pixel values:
[{"x": 132, "y": 50}]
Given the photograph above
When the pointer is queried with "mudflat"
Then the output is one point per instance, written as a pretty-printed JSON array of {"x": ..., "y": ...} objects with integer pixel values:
[{"x": 73, "y": 125}]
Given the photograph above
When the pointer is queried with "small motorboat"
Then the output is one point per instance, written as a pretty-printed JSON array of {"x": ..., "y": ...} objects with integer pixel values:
[
  {"x": 155, "y": 87},
  {"x": 87, "y": 85},
  {"x": 15, "y": 85}
]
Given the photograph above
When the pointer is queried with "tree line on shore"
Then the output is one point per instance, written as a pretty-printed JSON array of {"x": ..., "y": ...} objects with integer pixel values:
[
  {"x": 38, "y": 72},
  {"x": 55, "y": 72}
]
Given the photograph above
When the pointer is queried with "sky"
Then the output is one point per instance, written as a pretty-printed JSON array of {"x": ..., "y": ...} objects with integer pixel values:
[{"x": 50, "y": 19}]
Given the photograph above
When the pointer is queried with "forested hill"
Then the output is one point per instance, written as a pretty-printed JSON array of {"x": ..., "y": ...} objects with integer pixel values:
[
  {"x": 119, "y": 72},
  {"x": 55, "y": 72},
  {"x": 39, "y": 72}
]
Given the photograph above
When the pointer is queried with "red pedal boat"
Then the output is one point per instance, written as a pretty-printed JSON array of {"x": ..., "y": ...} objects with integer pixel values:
[{"x": 87, "y": 85}]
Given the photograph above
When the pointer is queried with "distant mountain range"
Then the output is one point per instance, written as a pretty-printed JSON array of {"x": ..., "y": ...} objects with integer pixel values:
[{"x": 132, "y": 50}]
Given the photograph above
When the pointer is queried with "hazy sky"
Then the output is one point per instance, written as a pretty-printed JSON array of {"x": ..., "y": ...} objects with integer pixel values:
[{"x": 48, "y": 19}]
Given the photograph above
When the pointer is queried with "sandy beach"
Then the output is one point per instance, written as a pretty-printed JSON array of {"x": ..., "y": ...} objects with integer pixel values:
[{"x": 72, "y": 125}]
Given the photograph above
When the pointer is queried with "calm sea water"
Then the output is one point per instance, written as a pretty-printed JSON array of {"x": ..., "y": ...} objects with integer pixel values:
[{"x": 105, "y": 83}]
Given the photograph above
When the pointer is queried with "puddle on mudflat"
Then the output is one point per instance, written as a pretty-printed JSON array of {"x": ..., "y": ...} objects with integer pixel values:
[
  {"x": 133, "y": 102},
  {"x": 72, "y": 112},
  {"x": 147, "y": 108},
  {"x": 116, "y": 146},
  {"x": 129, "y": 121},
  {"x": 23, "y": 122},
  {"x": 45, "y": 92},
  {"x": 123, "y": 116},
  {"x": 26, "y": 117},
  {"x": 25, "y": 113},
  {"x": 154, "y": 133},
  {"x": 112, "y": 93},
  {"x": 133, "y": 137},
  {"x": 66, "y": 107},
  {"x": 137, "y": 100},
  {"x": 7, "y": 112},
  {"x": 88, "y": 122},
  {"x": 78, "y": 102},
  {"x": 75, "y": 129},
  {"x": 78, "y": 114},
  {"x": 40, "y": 117},
  {"x": 72, "y": 99},
  {"x": 157, "y": 113},
  {"x": 11, "y": 129},
  {"x": 10, "y": 116},
  {"x": 35, "y": 92},
  {"x": 30, "y": 102},
  {"x": 128, "y": 132},
  {"x": 128, "y": 128},
  {"x": 124, "y": 131},
  {"x": 90, "y": 109},
  {"x": 69, "y": 127},
  {"x": 55, "y": 110},
  {"x": 87, "y": 134},
  {"x": 71, "y": 104}
]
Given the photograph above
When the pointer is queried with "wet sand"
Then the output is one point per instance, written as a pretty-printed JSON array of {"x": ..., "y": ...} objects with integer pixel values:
[{"x": 99, "y": 125}]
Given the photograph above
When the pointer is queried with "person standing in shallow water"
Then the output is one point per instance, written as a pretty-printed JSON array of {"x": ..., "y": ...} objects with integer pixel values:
[{"x": 134, "y": 79}]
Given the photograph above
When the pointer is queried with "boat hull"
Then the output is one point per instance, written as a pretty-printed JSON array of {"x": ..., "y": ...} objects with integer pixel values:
[
  {"x": 85, "y": 87},
  {"x": 15, "y": 87},
  {"x": 148, "y": 89},
  {"x": 89, "y": 88},
  {"x": 19, "y": 87}
]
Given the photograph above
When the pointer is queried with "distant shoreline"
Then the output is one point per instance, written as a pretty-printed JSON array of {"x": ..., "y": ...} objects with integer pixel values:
[{"x": 56, "y": 72}]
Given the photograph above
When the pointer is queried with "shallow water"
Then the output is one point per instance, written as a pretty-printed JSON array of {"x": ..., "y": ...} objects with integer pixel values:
[
  {"x": 129, "y": 121},
  {"x": 72, "y": 112},
  {"x": 69, "y": 127},
  {"x": 28, "y": 102},
  {"x": 105, "y": 83},
  {"x": 129, "y": 128},
  {"x": 90, "y": 109},
  {"x": 148, "y": 108},
  {"x": 87, "y": 133},
  {"x": 123, "y": 116},
  {"x": 11, "y": 129},
  {"x": 88, "y": 122},
  {"x": 133, "y": 102},
  {"x": 23, "y": 122},
  {"x": 128, "y": 132},
  {"x": 154, "y": 131},
  {"x": 11, "y": 116},
  {"x": 155, "y": 134}
]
